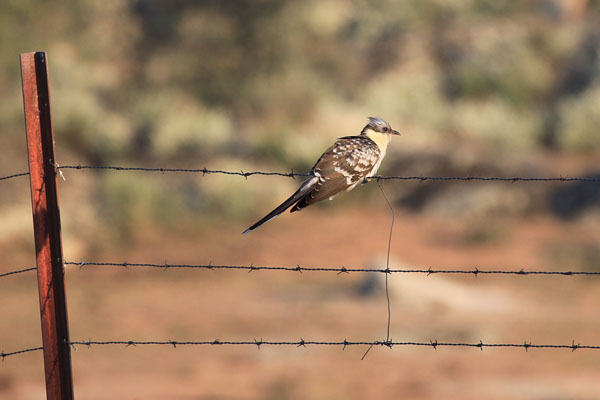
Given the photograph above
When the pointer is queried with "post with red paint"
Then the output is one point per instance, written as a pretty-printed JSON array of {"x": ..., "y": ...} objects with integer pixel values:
[{"x": 46, "y": 226}]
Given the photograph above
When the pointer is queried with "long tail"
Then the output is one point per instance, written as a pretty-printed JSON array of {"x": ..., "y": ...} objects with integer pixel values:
[{"x": 306, "y": 186}]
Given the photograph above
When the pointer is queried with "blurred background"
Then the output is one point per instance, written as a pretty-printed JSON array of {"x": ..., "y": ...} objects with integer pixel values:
[{"x": 484, "y": 88}]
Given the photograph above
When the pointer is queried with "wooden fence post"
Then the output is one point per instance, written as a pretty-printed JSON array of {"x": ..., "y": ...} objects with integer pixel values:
[{"x": 46, "y": 225}]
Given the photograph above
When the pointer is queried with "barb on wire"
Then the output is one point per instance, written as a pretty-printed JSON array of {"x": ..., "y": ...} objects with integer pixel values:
[
  {"x": 338, "y": 270},
  {"x": 2, "y": 178},
  {"x": 20, "y": 271},
  {"x": 434, "y": 344},
  {"x": 292, "y": 174}
]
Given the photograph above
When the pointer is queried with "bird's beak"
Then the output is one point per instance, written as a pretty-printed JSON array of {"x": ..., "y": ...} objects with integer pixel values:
[{"x": 395, "y": 132}]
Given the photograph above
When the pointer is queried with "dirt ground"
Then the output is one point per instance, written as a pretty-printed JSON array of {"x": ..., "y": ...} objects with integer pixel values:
[{"x": 111, "y": 303}]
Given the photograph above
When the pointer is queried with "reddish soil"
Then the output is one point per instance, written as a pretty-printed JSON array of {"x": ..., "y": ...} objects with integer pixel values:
[{"x": 143, "y": 304}]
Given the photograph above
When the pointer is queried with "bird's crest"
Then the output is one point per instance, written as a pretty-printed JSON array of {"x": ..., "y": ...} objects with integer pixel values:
[{"x": 376, "y": 124}]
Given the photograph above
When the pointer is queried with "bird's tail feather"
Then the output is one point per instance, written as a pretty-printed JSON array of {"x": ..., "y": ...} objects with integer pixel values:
[{"x": 303, "y": 190}]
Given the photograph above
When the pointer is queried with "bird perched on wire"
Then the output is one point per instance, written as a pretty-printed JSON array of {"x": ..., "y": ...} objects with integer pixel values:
[{"x": 350, "y": 161}]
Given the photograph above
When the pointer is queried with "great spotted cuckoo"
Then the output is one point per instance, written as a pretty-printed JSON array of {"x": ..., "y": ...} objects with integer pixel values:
[{"x": 350, "y": 161}]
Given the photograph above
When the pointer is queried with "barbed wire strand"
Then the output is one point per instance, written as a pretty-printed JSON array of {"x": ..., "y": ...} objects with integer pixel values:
[
  {"x": 298, "y": 268},
  {"x": 339, "y": 270},
  {"x": 3, "y": 355},
  {"x": 20, "y": 271},
  {"x": 2, "y": 178},
  {"x": 292, "y": 174},
  {"x": 305, "y": 343}
]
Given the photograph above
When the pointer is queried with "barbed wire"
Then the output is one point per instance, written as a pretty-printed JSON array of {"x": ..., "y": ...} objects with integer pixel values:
[
  {"x": 3, "y": 355},
  {"x": 19, "y": 271},
  {"x": 338, "y": 270},
  {"x": 305, "y": 343},
  {"x": 292, "y": 174},
  {"x": 298, "y": 268},
  {"x": 2, "y": 178},
  {"x": 345, "y": 343}
]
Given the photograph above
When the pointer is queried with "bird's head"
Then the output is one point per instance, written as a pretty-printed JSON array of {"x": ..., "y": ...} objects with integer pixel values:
[
  {"x": 378, "y": 127},
  {"x": 380, "y": 132}
]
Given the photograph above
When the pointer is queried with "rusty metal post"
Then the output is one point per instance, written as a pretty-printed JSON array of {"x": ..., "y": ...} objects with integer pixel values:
[{"x": 46, "y": 225}]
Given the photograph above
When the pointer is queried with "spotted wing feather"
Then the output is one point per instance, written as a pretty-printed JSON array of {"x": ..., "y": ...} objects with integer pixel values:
[{"x": 343, "y": 166}]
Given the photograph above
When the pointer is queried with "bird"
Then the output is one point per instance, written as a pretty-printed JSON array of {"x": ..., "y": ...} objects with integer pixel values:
[{"x": 348, "y": 162}]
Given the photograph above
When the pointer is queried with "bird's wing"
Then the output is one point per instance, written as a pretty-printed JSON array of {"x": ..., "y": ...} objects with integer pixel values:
[{"x": 343, "y": 166}]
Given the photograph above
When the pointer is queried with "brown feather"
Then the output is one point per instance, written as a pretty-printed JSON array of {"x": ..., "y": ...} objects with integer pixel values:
[{"x": 343, "y": 166}]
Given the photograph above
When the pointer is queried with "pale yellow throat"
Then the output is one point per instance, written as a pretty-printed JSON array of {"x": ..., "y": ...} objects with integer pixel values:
[{"x": 380, "y": 139}]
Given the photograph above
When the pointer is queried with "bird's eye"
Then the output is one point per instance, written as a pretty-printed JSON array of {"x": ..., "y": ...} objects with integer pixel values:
[{"x": 385, "y": 129}]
